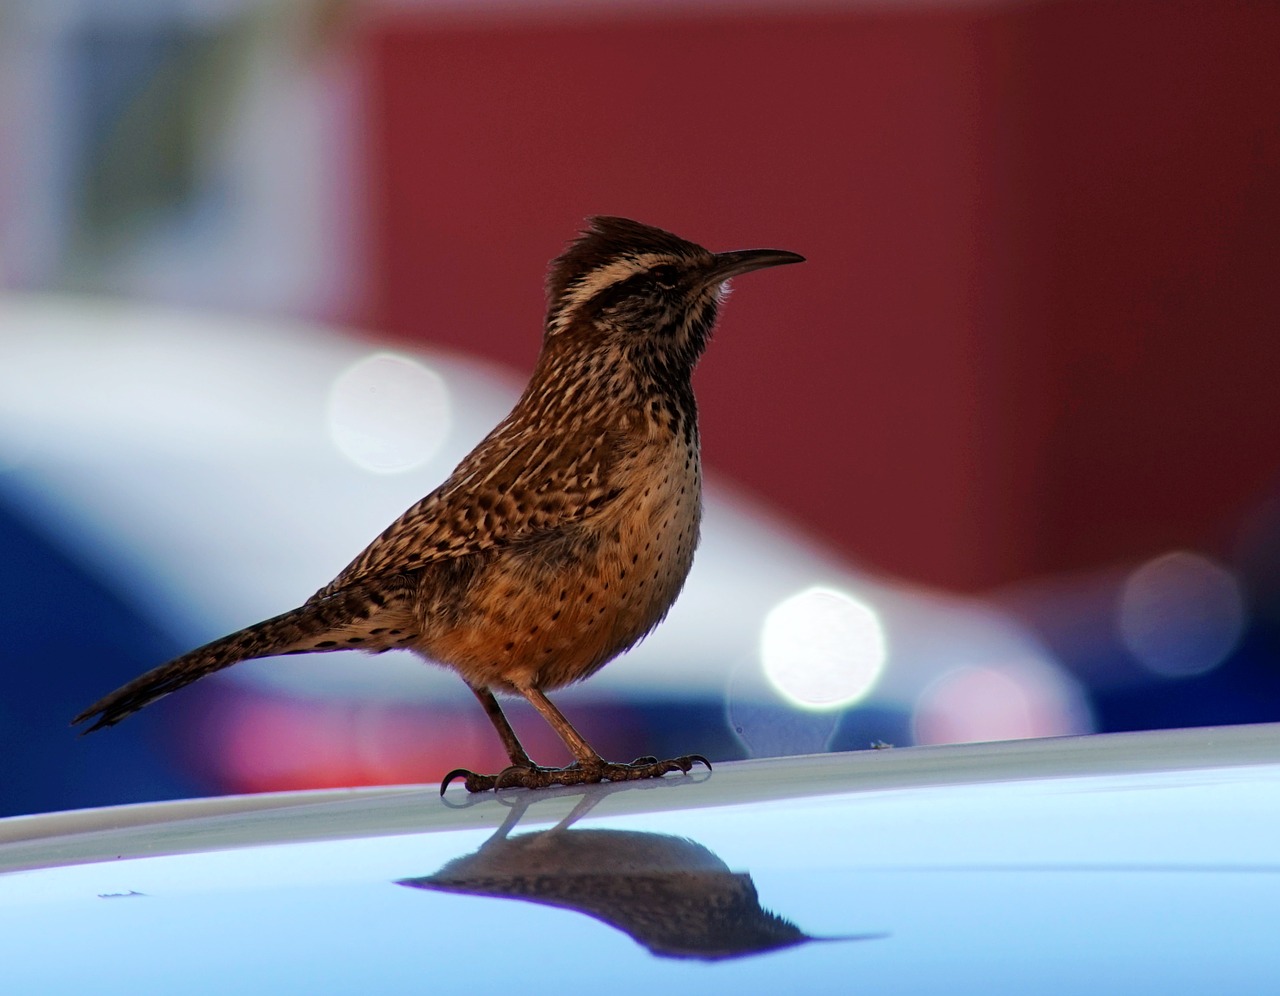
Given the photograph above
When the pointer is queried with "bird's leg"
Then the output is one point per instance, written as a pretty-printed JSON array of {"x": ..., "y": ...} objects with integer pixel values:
[
  {"x": 589, "y": 767},
  {"x": 511, "y": 743},
  {"x": 584, "y": 753}
]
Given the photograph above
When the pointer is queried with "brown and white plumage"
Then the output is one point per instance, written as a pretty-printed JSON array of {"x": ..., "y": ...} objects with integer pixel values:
[{"x": 563, "y": 538}]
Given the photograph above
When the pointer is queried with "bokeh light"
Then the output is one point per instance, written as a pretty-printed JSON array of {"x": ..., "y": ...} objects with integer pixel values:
[
  {"x": 1006, "y": 700},
  {"x": 822, "y": 649},
  {"x": 389, "y": 413},
  {"x": 1181, "y": 614}
]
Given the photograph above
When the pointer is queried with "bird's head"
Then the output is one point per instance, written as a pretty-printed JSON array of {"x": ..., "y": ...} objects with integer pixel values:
[{"x": 643, "y": 290}]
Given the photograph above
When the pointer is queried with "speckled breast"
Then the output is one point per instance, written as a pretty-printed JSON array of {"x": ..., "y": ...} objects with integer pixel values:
[{"x": 551, "y": 612}]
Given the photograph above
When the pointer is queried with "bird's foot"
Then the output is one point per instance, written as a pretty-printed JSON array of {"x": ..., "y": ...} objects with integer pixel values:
[{"x": 535, "y": 776}]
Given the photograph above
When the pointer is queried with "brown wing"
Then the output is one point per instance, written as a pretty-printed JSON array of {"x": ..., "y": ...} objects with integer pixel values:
[{"x": 514, "y": 486}]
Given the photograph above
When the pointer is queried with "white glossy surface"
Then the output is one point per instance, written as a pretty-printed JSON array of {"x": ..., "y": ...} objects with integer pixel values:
[{"x": 1126, "y": 863}]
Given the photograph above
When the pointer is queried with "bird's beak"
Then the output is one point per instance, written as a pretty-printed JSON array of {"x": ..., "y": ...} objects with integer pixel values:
[{"x": 731, "y": 264}]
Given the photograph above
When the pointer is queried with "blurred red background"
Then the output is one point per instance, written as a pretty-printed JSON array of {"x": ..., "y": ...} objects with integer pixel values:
[
  {"x": 1032, "y": 353},
  {"x": 1037, "y": 328}
]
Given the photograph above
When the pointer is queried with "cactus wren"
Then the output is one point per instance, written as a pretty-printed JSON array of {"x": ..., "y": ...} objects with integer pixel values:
[{"x": 565, "y": 535}]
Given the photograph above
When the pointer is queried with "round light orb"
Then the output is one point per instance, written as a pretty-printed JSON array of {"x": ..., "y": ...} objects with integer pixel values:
[
  {"x": 1009, "y": 700},
  {"x": 822, "y": 648},
  {"x": 388, "y": 413},
  {"x": 1180, "y": 614}
]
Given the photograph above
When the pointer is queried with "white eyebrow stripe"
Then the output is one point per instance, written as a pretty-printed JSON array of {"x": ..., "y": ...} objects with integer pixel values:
[{"x": 606, "y": 276}]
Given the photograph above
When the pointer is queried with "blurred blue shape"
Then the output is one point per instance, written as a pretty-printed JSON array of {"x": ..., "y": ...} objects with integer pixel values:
[{"x": 66, "y": 634}]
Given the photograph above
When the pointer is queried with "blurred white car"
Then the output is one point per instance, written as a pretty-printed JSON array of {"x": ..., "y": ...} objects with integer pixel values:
[{"x": 212, "y": 471}]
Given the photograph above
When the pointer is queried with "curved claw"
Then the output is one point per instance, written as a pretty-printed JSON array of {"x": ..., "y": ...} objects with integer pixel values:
[
  {"x": 691, "y": 758},
  {"x": 455, "y": 773},
  {"x": 472, "y": 781},
  {"x": 512, "y": 775}
]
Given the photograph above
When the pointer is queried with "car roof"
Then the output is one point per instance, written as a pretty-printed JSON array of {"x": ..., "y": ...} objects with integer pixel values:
[{"x": 1145, "y": 860}]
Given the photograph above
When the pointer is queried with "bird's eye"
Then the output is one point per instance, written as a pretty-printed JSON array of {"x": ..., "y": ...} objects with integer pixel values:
[{"x": 664, "y": 276}]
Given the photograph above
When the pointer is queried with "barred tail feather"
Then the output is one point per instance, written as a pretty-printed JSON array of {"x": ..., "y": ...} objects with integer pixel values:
[{"x": 296, "y": 631}]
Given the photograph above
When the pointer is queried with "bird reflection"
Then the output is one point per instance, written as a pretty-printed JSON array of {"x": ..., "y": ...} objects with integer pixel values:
[{"x": 672, "y": 895}]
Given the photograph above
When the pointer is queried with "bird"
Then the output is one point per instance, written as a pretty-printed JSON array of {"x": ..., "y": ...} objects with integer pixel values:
[
  {"x": 563, "y": 538},
  {"x": 671, "y": 894}
]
